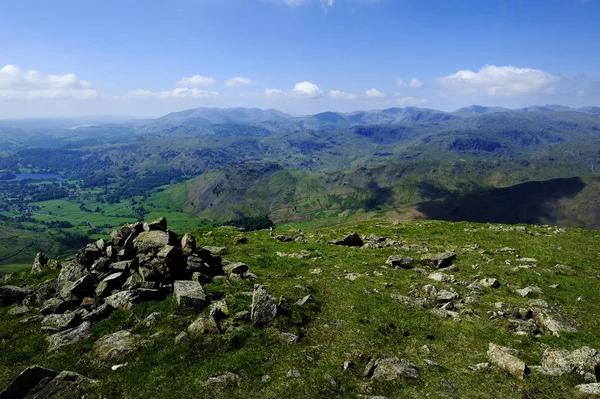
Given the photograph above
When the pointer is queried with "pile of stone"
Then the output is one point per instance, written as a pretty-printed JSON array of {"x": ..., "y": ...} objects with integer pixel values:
[{"x": 140, "y": 262}]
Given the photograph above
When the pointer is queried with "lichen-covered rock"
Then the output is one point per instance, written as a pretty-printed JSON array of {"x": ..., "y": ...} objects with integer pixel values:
[
  {"x": 116, "y": 346},
  {"x": 204, "y": 325},
  {"x": 109, "y": 283},
  {"x": 83, "y": 287},
  {"x": 189, "y": 294},
  {"x": 88, "y": 255},
  {"x": 550, "y": 320},
  {"x": 188, "y": 244},
  {"x": 158, "y": 224},
  {"x": 27, "y": 380},
  {"x": 400, "y": 262},
  {"x": 65, "y": 384},
  {"x": 69, "y": 273},
  {"x": 123, "y": 299},
  {"x": 489, "y": 283},
  {"x": 439, "y": 261},
  {"x": 589, "y": 389},
  {"x": 263, "y": 306},
  {"x": 506, "y": 359},
  {"x": 389, "y": 369},
  {"x": 39, "y": 263},
  {"x": 66, "y": 338},
  {"x": 152, "y": 241},
  {"x": 235, "y": 268},
  {"x": 60, "y": 322}
]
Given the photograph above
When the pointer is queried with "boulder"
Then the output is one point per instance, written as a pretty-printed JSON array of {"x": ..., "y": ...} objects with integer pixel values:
[
  {"x": 109, "y": 283},
  {"x": 263, "y": 306},
  {"x": 66, "y": 338},
  {"x": 41, "y": 292},
  {"x": 204, "y": 325},
  {"x": 390, "y": 369},
  {"x": 101, "y": 312},
  {"x": 61, "y": 322},
  {"x": 550, "y": 320},
  {"x": 69, "y": 273},
  {"x": 351, "y": 240},
  {"x": 101, "y": 265},
  {"x": 442, "y": 277},
  {"x": 589, "y": 389},
  {"x": 584, "y": 361},
  {"x": 88, "y": 255},
  {"x": 123, "y": 299},
  {"x": 116, "y": 346},
  {"x": 489, "y": 283},
  {"x": 65, "y": 384},
  {"x": 10, "y": 295},
  {"x": 217, "y": 251},
  {"x": 27, "y": 380},
  {"x": 56, "y": 305},
  {"x": 506, "y": 359},
  {"x": 189, "y": 294},
  {"x": 159, "y": 224},
  {"x": 39, "y": 263},
  {"x": 439, "y": 261},
  {"x": 152, "y": 241},
  {"x": 235, "y": 268},
  {"x": 400, "y": 262},
  {"x": 188, "y": 244},
  {"x": 83, "y": 287}
]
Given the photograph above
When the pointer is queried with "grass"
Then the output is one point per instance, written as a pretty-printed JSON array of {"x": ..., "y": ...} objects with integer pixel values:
[{"x": 349, "y": 320}]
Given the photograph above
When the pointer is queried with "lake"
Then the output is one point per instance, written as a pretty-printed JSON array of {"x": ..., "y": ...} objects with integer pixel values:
[{"x": 35, "y": 176}]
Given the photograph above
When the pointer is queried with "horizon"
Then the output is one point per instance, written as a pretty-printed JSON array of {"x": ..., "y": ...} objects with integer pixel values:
[{"x": 297, "y": 56}]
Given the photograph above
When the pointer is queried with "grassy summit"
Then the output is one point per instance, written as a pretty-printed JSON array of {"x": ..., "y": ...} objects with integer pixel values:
[{"x": 363, "y": 310}]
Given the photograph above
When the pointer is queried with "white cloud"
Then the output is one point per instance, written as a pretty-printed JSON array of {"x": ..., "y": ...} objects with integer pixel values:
[
  {"x": 342, "y": 95},
  {"x": 307, "y": 90},
  {"x": 410, "y": 101},
  {"x": 274, "y": 93},
  {"x": 374, "y": 93},
  {"x": 500, "y": 81},
  {"x": 238, "y": 81},
  {"x": 179, "y": 93},
  {"x": 18, "y": 84},
  {"x": 400, "y": 83},
  {"x": 415, "y": 83},
  {"x": 196, "y": 80}
]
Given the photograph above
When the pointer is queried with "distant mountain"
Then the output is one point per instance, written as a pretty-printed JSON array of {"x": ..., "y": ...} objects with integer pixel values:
[{"x": 218, "y": 116}]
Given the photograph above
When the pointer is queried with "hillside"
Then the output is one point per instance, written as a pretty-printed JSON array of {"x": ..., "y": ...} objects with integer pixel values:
[{"x": 461, "y": 309}]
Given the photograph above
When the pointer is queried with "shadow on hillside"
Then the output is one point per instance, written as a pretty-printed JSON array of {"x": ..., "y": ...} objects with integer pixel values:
[
  {"x": 531, "y": 202},
  {"x": 379, "y": 196}
]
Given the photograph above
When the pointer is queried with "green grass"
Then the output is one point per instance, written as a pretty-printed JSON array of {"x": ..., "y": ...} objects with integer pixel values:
[{"x": 349, "y": 320}]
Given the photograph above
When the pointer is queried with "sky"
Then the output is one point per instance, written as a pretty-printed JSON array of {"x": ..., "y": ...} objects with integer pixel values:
[{"x": 68, "y": 58}]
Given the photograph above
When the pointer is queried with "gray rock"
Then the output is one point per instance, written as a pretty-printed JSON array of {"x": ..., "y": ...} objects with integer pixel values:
[
  {"x": 61, "y": 322},
  {"x": 400, "y": 262},
  {"x": 66, "y": 338},
  {"x": 236, "y": 267},
  {"x": 88, "y": 255},
  {"x": 69, "y": 273},
  {"x": 27, "y": 380},
  {"x": 479, "y": 367},
  {"x": 83, "y": 287},
  {"x": 445, "y": 296},
  {"x": 263, "y": 306},
  {"x": 529, "y": 290},
  {"x": 303, "y": 301},
  {"x": 442, "y": 277},
  {"x": 583, "y": 361},
  {"x": 152, "y": 241},
  {"x": 188, "y": 243},
  {"x": 152, "y": 318},
  {"x": 101, "y": 265},
  {"x": 65, "y": 384},
  {"x": 389, "y": 369},
  {"x": 101, "y": 312},
  {"x": 55, "y": 305},
  {"x": 39, "y": 263},
  {"x": 217, "y": 251},
  {"x": 439, "y": 261},
  {"x": 550, "y": 320},
  {"x": 589, "y": 389},
  {"x": 109, "y": 283},
  {"x": 18, "y": 310},
  {"x": 10, "y": 295},
  {"x": 489, "y": 283},
  {"x": 294, "y": 374},
  {"x": 158, "y": 224},
  {"x": 204, "y": 325},
  {"x": 189, "y": 294},
  {"x": 506, "y": 359},
  {"x": 116, "y": 346},
  {"x": 219, "y": 309},
  {"x": 351, "y": 240},
  {"x": 123, "y": 299},
  {"x": 286, "y": 337},
  {"x": 224, "y": 380}
]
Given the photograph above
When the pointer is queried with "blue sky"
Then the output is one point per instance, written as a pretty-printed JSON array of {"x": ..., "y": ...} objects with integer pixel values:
[{"x": 147, "y": 58}]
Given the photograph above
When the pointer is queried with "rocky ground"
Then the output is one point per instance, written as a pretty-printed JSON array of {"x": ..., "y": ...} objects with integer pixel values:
[{"x": 409, "y": 309}]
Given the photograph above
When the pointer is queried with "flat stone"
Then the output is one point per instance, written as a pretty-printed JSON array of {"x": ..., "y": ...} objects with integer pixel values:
[
  {"x": 66, "y": 338},
  {"x": 189, "y": 294},
  {"x": 152, "y": 241},
  {"x": 60, "y": 322},
  {"x": 235, "y": 268},
  {"x": 506, "y": 359},
  {"x": 439, "y": 261},
  {"x": 442, "y": 277},
  {"x": 400, "y": 262},
  {"x": 390, "y": 369},
  {"x": 224, "y": 380},
  {"x": 123, "y": 299},
  {"x": 27, "y": 380},
  {"x": 303, "y": 301},
  {"x": 204, "y": 325}
]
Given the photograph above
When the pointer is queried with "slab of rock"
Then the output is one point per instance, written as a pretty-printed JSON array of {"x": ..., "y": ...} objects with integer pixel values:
[
  {"x": 116, "y": 346},
  {"x": 188, "y": 243},
  {"x": 442, "y": 277},
  {"x": 152, "y": 241},
  {"x": 101, "y": 312},
  {"x": 224, "y": 380},
  {"x": 489, "y": 283},
  {"x": 56, "y": 305},
  {"x": 109, "y": 283},
  {"x": 264, "y": 308},
  {"x": 18, "y": 310},
  {"x": 390, "y": 369},
  {"x": 39, "y": 263},
  {"x": 303, "y": 301},
  {"x": 65, "y": 384},
  {"x": 189, "y": 294},
  {"x": 10, "y": 295},
  {"x": 479, "y": 367},
  {"x": 445, "y": 296},
  {"x": 83, "y": 287},
  {"x": 69, "y": 273},
  {"x": 88, "y": 255},
  {"x": 123, "y": 299},
  {"x": 439, "y": 261},
  {"x": 217, "y": 251},
  {"x": 584, "y": 361},
  {"x": 61, "y": 322},
  {"x": 506, "y": 359},
  {"x": 235, "y": 268},
  {"x": 204, "y": 325},
  {"x": 158, "y": 224},
  {"x": 351, "y": 240},
  {"x": 69, "y": 337},
  {"x": 589, "y": 389},
  {"x": 529, "y": 290},
  {"x": 400, "y": 262},
  {"x": 550, "y": 320},
  {"x": 27, "y": 380}
]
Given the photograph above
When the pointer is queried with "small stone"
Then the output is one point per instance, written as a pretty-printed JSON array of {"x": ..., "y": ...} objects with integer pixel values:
[
  {"x": 204, "y": 325},
  {"x": 590, "y": 389},
  {"x": 479, "y": 367},
  {"x": 400, "y": 262},
  {"x": 294, "y": 374},
  {"x": 348, "y": 364},
  {"x": 489, "y": 282},
  {"x": 303, "y": 301},
  {"x": 237, "y": 268}
]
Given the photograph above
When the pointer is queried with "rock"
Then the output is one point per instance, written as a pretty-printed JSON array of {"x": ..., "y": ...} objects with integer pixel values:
[
  {"x": 204, "y": 325},
  {"x": 445, "y": 296},
  {"x": 189, "y": 294},
  {"x": 589, "y": 389},
  {"x": 18, "y": 310},
  {"x": 99, "y": 313},
  {"x": 123, "y": 299},
  {"x": 152, "y": 241},
  {"x": 159, "y": 224},
  {"x": 219, "y": 309},
  {"x": 152, "y": 318},
  {"x": 489, "y": 283},
  {"x": 549, "y": 319},
  {"x": 283, "y": 238},
  {"x": 479, "y": 367},
  {"x": 351, "y": 240},
  {"x": 235, "y": 268},
  {"x": 438, "y": 261},
  {"x": 393, "y": 369},
  {"x": 217, "y": 251},
  {"x": 182, "y": 336},
  {"x": 286, "y": 337},
  {"x": 303, "y": 301},
  {"x": 243, "y": 315},
  {"x": 188, "y": 244},
  {"x": 55, "y": 305},
  {"x": 240, "y": 240},
  {"x": 263, "y": 306},
  {"x": 83, "y": 287},
  {"x": 26, "y": 381},
  {"x": 41, "y": 292},
  {"x": 101, "y": 265},
  {"x": 348, "y": 364},
  {"x": 506, "y": 359},
  {"x": 65, "y": 384},
  {"x": 116, "y": 346},
  {"x": 442, "y": 277},
  {"x": 584, "y": 361},
  {"x": 69, "y": 273},
  {"x": 39, "y": 263},
  {"x": 60, "y": 322},
  {"x": 226, "y": 379},
  {"x": 294, "y": 374},
  {"x": 529, "y": 290},
  {"x": 88, "y": 255},
  {"x": 400, "y": 262},
  {"x": 69, "y": 337},
  {"x": 10, "y": 295},
  {"x": 124, "y": 265}
]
